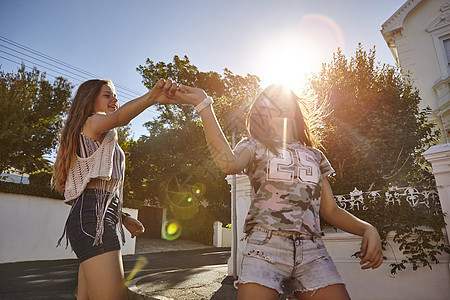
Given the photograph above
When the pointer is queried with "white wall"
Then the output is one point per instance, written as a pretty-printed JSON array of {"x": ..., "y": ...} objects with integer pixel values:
[
  {"x": 31, "y": 226},
  {"x": 379, "y": 284},
  {"x": 226, "y": 237},
  {"x": 222, "y": 235}
]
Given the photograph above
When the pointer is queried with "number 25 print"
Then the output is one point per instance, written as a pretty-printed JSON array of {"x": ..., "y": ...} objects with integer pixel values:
[{"x": 292, "y": 164}]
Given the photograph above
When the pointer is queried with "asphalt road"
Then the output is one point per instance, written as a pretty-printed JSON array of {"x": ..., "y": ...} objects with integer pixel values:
[{"x": 57, "y": 279}]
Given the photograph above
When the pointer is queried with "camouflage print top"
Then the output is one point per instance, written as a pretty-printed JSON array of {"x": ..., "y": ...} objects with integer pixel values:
[{"x": 285, "y": 188}]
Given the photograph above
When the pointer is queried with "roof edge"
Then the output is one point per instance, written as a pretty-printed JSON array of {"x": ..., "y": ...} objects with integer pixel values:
[{"x": 395, "y": 22}]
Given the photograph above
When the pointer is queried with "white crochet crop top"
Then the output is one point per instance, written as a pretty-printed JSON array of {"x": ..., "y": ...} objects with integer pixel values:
[{"x": 99, "y": 165}]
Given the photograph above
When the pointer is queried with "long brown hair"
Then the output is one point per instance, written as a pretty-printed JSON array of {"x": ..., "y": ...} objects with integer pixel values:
[
  {"x": 258, "y": 124},
  {"x": 80, "y": 110}
]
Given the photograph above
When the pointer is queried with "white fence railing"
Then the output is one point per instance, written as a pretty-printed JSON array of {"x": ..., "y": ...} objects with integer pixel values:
[{"x": 355, "y": 199}]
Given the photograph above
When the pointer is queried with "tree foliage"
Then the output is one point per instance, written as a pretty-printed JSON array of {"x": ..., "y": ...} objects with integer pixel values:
[
  {"x": 231, "y": 92},
  {"x": 176, "y": 147},
  {"x": 126, "y": 142},
  {"x": 31, "y": 114},
  {"x": 374, "y": 130},
  {"x": 374, "y": 135}
]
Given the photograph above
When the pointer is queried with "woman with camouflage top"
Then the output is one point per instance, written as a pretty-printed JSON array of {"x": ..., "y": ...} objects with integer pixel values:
[{"x": 289, "y": 186}]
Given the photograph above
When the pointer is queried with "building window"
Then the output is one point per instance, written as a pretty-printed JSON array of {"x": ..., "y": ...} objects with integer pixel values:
[{"x": 447, "y": 51}]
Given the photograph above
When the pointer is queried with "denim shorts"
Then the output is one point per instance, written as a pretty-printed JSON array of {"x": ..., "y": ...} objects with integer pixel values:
[
  {"x": 81, "y": 226},
  {"x": 271, "y": 257}
]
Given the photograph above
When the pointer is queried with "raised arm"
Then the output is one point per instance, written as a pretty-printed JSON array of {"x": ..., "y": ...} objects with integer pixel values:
[
  {"x": 101, "y": 122},
  {"x": 371, "y": 252},
  {"x": 228, "y": 161}
]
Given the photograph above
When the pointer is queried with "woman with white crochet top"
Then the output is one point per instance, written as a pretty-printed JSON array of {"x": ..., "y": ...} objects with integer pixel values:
[{"x": 89, "y": 170}]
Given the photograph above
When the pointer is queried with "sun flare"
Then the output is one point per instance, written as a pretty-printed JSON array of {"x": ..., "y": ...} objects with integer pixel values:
[
  {"x": 289, "y": 57},
  {"x": 286, "y": 63}
]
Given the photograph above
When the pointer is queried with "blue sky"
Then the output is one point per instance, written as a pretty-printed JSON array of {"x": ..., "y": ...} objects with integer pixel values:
[{"x": 112, "y": 38}]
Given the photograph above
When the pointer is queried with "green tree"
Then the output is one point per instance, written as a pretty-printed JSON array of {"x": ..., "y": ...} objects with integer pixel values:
[
  {"x": 374, "y": 135},
  {"x": 31, "y": 114},
  {"x": 374, "y": 132},
  {"x": 126, "y": 142},
  {"x": 231, "y": 93},
  {"x": 176, "y": 147}
]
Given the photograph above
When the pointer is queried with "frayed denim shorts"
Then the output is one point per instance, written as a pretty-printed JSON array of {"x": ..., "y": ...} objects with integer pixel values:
[
  {"x": 82, "y": 223},
  {"x": 272, "y": 257}
]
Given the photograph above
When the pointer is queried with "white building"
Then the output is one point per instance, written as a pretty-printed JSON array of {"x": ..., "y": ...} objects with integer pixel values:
[
  {"x": 14, "y": 175},
  {"x": 418, "y": 34}
]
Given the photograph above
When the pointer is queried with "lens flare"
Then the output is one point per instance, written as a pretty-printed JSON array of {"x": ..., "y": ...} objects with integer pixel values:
[
  {"x": 198, "y": 189},
  {"x": 171, "y": 230},
  {"x": 184, "y": 194},
  {"x": 182, "y": 199},
  {"x": 140, "y": 264}
]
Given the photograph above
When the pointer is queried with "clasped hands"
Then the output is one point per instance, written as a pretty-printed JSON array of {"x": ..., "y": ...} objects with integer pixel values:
[{"x": 168, "y": 92}]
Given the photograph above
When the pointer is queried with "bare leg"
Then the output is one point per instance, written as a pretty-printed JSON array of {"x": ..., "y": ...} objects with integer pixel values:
[
  {"x": 331, "y": 292},
  {"x": 250, "y": 291},
  {"x": 104, "y": 276},
  {"x": 82, "y": 292}
]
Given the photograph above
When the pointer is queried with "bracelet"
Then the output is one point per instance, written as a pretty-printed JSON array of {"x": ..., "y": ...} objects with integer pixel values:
[
  {"x": 124, "y": 215},
  {"x": 202, "y": 105}
]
